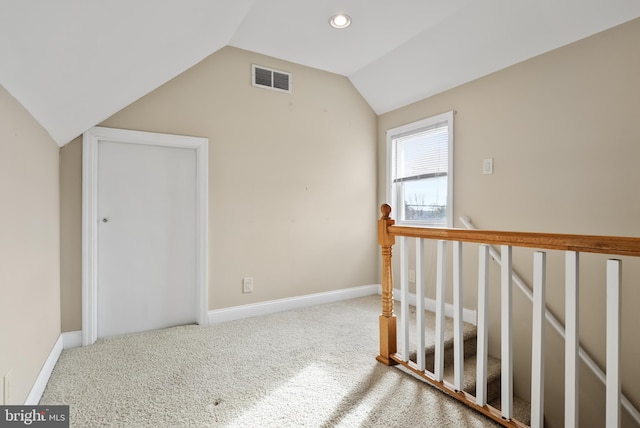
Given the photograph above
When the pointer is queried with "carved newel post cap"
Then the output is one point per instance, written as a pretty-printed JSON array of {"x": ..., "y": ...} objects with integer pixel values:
[{"x": 385, "y": 209}]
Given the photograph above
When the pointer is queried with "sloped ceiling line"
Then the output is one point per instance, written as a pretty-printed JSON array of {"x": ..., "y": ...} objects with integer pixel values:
[{"x": 73, "y": 63}]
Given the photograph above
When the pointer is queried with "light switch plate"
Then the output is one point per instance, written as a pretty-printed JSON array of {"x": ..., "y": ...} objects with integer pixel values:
[{"x": 487, "y": 166}]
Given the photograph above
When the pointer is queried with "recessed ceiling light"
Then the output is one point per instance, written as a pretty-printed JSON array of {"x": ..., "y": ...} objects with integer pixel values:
[{"x": 340, "y": 21}]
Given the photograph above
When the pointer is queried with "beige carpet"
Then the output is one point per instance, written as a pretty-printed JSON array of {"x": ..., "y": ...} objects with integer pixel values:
[{"x": 312, "y": 367}]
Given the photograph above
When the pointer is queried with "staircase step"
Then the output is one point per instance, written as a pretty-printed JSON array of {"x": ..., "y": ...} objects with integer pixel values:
[
  {"x": 469, "y": 384},
  {"x": 469, "y": 335},
  {"x": 470, "y": 349},
  {"x": 521, "y": 408}
]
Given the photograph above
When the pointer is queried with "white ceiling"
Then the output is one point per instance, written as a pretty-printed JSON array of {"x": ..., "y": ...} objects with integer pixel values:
[{"x": 74, "y": 63}]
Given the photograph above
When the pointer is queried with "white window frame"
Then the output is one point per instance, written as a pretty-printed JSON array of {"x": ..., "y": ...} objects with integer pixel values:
[{"x": 413, "y": 128}]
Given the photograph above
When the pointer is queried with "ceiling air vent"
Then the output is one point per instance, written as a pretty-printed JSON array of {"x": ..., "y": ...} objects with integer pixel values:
[{"x": 269, "y": 78}]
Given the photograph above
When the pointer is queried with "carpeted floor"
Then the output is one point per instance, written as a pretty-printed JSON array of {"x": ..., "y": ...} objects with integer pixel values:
[{"x": 312, "y": 367}]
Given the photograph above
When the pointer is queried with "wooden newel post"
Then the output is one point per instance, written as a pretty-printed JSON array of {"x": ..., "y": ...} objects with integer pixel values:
[{"x": 387, "y": 318}]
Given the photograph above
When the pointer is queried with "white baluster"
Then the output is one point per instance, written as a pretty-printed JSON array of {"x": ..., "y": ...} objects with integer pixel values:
[
  {"x": 403, "y": 336},
  {"x": 506, "y": 327},
  {"x": 537, "y": 345},
  {"x": 438, "y": 370},
  {"x": 614, "y": 286},
  {"x": 458, "y": 341},
  {"x": 483, "y": 331},
  {"x": 571, "y": 340},
  {"x": 420, "y": 330}
]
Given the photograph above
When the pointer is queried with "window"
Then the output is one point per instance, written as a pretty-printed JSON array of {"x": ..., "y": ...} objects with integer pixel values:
[{"x": 420, "y": 172}]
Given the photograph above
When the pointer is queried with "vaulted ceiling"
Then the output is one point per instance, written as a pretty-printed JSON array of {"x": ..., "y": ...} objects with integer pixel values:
[{"x": 74, "y": 63}]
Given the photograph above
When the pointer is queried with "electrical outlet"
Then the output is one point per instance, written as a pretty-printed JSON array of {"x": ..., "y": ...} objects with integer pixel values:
[
  {"x": 247, "y": 285},
  {"x": 6, "y": 388},
  {"x": 412, "y": 275}
]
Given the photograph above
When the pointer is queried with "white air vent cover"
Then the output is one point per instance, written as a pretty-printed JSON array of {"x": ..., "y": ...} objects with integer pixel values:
[{"x": 269, "y": 78}]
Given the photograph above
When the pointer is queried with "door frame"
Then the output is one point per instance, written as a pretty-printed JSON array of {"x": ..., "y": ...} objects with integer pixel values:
[{"x": 90, "y": 141}]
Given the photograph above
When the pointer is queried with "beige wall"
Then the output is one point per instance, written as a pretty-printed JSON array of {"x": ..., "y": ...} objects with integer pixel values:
[
  {"x": 563, "y": 130},
  {"x": 71, "y": 236},
  {"x": 292, "y": 199},
  {"x": 286, "y": 169},
  {"x": 29, "y": 248}
]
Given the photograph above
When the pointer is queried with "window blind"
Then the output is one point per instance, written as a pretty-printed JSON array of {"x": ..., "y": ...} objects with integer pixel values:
[{"x": 424, "y": 154}]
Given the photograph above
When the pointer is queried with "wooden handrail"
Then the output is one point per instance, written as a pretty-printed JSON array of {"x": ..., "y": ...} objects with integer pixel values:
[
  {"x": 387, "y": 231},
  {"x": 617, "y": 245}
]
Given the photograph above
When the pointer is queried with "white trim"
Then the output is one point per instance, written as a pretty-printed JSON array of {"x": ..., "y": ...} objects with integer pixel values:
[
  {"x": 468, "y": 315},
  {"x": 572, "y": 339},
  {"x": 45, "y": 373},
  {"x": 402, "y": 335},
  {"x": 89, "y": 238},
  {"x": 483, "y": 323},
  {"x": 559, "y": 327},
  {"x": 538, "y": 338},
  {"x": 273, "y": 306},
  {"x": 72, "y": 339},
  {"x": 406, "y": 129},
  {"x": 506, "y": 333},
  {"x": 441, "y": 274},
  {"x": 613, "y": 389},
  {"x": 420, "y": 323},
  {"x": 458, "y": 338},
  {"x": 90, "y": 140}
]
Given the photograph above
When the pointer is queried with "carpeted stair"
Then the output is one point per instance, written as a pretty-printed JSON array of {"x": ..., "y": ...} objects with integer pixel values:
[{"x": 521, "y": 408}]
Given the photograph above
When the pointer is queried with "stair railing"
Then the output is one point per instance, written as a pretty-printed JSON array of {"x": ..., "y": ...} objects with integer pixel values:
[
  {"x": 573, "y": 245},
  {"x": 557, "y": 325}
]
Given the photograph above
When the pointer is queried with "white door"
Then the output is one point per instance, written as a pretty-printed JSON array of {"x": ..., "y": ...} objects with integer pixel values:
[{"x": 146, "y": 249}]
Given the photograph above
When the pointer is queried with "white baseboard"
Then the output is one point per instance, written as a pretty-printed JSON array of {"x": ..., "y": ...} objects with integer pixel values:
[
  {"x": 72, "y": 339},
  {"x": 468, "y": 315},
  {"x": 272, "y": 306},
  {"x": 43, "y": 377}
]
